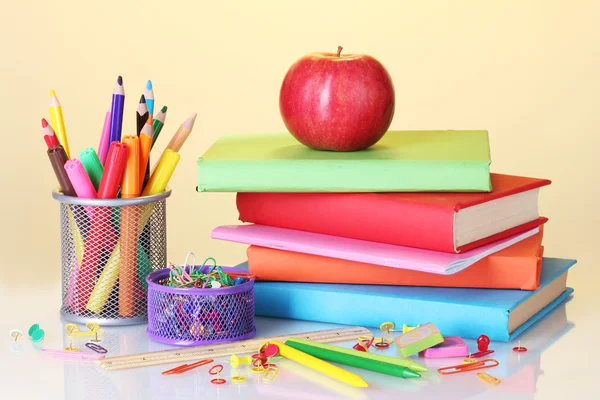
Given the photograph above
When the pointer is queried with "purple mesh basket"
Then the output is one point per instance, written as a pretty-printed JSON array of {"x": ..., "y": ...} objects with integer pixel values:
[{"x": 192, "y": 317}]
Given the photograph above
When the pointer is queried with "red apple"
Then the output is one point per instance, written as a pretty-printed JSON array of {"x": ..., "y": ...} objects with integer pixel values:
[{"x": 338, "y": 102}]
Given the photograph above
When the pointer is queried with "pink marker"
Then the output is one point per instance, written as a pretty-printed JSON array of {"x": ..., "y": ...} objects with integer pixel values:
[
  {"x": 104, "y": 139},
  {"x": 73, "y": 354},
  {"x": 79, "y": 178}
]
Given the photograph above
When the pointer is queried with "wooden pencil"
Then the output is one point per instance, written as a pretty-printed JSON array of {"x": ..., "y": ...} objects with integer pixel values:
[
  {"x": 141, "y": 115},
  {"x": 182, "y": 134}
]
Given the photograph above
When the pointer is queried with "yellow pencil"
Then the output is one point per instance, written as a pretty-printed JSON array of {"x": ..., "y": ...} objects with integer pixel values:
[
  {"x": 319, "y": 365},
  {"x": 58, "y": 123}
]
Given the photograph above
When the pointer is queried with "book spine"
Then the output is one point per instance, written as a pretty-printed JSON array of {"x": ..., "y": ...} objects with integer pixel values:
[
  {"x": 363, "y": 216},
  {"x": 313, "y": 302},
  {"x": 286, "y": 266},
  {"x": 364, "y": 176}
]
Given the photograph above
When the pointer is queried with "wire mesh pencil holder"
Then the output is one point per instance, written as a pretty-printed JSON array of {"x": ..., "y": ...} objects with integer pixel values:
[
  {"x": 192, "y": 317},
  {"x": 108, "y": 248}
]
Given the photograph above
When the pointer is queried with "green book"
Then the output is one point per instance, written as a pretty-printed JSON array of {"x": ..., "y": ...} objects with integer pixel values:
[{"x": 402, "y": 161}]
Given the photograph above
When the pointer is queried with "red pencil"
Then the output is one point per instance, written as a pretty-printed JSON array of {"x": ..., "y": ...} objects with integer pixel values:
[{"x": 49, "y": 136}]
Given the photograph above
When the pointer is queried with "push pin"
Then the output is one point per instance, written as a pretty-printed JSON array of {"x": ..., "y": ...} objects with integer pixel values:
[
  {"x": 36, "y": 334},
  {"x": 96, "y": 340},
  {"x": 94, "y": 330},
  {"x": 382, "y": 344},
  {"x": 483, "y": 343},
  {"x": 519, "y": 348},
  {"x": 267, "y": 351},
  {"x": 236, "y": 361},
  {"x": 216, "y": 370},
  {"x": 364, "y": 342},
  {"x": 469, "y": 360},
  {"x": 16, "y": 334},
  {"x": 71, "y": 348},
  {"x": 238, "y": 379}
]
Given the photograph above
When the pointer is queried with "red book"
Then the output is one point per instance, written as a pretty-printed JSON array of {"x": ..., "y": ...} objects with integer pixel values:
[{"x": 447, "y": 222}]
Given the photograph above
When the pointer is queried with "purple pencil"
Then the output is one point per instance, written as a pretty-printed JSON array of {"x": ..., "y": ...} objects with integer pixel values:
[
  {"x": 104, "y": 139},
  {"x": 116, "y": 111}
]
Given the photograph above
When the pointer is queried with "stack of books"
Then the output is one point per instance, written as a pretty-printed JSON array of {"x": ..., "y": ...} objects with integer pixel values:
[{"x": 412, "y": 230}]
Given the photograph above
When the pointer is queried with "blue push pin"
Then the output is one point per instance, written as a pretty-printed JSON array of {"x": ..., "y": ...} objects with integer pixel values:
[
  {"x": 239, "y": 280},
  {"x": 36, "y": 334}
]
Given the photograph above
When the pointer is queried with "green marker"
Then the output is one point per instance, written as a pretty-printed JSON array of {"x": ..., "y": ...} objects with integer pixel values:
[
  {"x": 157, "y": 123},
  {"x": 92, "y": 165},
  {"x": 372, "y": 362}
]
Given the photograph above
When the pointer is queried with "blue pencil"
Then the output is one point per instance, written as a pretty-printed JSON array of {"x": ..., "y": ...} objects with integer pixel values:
[
  {"x": 116, "y": 110},
  {"x": 149, "y": 95}
]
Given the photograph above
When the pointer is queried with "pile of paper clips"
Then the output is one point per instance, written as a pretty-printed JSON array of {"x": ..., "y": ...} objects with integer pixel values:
[{"x": 192, "y": 277}]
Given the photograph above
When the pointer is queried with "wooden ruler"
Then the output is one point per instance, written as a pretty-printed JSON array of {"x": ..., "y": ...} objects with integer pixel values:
[{"x": 225, "y": 349}]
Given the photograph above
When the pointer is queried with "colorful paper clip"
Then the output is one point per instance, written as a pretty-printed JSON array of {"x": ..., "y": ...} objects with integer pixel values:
[
  {"x": 97, "y": 348},
  {"x": 457, "y": 369},
  {"x": 270, "y": 373},
  {"x": 186, "y": 367},
  {"x": 216, "y": 370},
  {"x": 487, "y": 378}
]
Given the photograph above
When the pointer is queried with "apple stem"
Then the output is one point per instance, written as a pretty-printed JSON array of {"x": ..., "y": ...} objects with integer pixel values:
[{"x": 339, "y": 51}]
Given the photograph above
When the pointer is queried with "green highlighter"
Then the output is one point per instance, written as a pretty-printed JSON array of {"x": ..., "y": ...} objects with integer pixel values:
[
  {"x": 92, "y": 165},
  {"x": 372, "y": 362}
]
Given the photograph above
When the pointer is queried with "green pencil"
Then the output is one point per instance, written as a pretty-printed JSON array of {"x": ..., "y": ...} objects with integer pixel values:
[
  {"x": 157, "y": 123},
  {"x": 372, "y": 362}
]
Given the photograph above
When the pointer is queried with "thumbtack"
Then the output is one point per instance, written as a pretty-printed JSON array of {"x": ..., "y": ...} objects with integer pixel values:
[
  {"x": 519, "y": 349},
  {"x": 236, "y": 361},
  {"x": 36, "y": 334},
  {"x": 216, "y": 370},
  {"x": 16, "y": 334},
  {"x": 238, "y": 379},
  {"x": 96, "y": 340},
  {"x": 469, "y": 360},
  {"x": 71, "y": 348}
]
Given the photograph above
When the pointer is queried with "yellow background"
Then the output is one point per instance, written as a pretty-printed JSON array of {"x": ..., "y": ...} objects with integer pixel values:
[{"x": 527, "y": 71}]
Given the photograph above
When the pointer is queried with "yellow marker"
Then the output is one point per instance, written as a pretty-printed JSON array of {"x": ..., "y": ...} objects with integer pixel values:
[
  {"x": 110, "y": 273},
  {"x": 162, "y": 173},
  {"x": 58, "y": 123},
  {"x": 319, "y": 365}
]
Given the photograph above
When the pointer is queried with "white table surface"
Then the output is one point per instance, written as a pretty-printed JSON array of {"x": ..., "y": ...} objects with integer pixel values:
[{"x": 559, "y": 363}]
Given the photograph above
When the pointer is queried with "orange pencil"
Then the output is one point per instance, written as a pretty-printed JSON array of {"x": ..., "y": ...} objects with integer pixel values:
[
  {"x": 130, "y": 187},
  {"x": 145, "y": 145}
]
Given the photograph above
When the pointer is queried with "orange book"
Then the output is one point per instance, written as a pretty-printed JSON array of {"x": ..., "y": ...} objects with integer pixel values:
[{"x": 516, "y": 267}]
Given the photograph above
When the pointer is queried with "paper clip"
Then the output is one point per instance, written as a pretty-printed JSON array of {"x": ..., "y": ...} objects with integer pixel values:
[
  {"x": 481, "y": 354},
  {"x": 97, "y": 348},
  {"x": 270, "y": 373},
  {"x": 186, "y": 367},
  {"x": 457, "y": 369},
  {"x": 487, "y": 378}
]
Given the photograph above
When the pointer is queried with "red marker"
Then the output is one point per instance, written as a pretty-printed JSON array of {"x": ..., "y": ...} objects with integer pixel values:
[
  {"x": 113, "y": 171},
  {"x": 49, "y": 136}
]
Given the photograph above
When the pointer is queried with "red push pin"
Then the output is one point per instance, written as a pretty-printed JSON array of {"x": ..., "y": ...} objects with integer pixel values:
[
  {"x": 483, "y": 343},
  {"x": 519, "y": 348}
]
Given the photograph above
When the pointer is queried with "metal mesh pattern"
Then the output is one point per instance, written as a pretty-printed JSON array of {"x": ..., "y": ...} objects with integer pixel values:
[
  {"x": 191, "y": 317},
  {"x": 107, "y": 253}
]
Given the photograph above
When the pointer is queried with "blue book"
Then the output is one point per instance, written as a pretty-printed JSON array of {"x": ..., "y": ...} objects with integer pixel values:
[{"x": 500, "y": 314}]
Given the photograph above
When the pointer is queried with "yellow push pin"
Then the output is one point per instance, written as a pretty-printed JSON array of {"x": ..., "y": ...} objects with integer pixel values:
[
  {"x": 236, "y": 361},
  {"x": 71, "y": 348},
  {"x": 16, "y": 334},
  {"x": 469, "y": 360},
  {"x": 94, "y": 330}
]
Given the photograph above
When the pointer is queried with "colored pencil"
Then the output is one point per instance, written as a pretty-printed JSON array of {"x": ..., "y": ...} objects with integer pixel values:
[
  {"x": 149, "y": 94},
  {"x": 49, "y": 136},
  {"x": 104, "y": 145},
  {"x": 58, "y": 123},
  {"x": 145, "y": 146},
  {"x": 141, "y": 115},
  {"x": 116, "y": 111},
  {"x": 182, "y": 134},
  {"x": 158, "y": 123}
]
